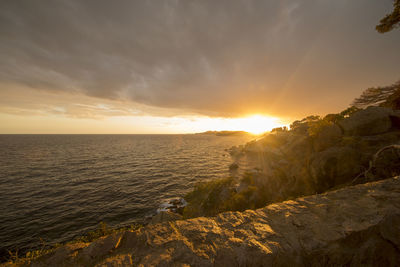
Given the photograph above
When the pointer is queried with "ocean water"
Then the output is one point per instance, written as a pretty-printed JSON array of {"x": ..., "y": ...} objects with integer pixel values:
[{"x": 57, "y": 187}]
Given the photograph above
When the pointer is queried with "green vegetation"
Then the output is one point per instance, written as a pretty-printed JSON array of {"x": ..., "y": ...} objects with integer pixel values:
[
  {"x": 102, "y": 230},
  {"x": 205, "y": 197},
  {"x": 212, "y": 197},
  {"x": 314, "y": 124},
  {"x": 16, "y": 258}
]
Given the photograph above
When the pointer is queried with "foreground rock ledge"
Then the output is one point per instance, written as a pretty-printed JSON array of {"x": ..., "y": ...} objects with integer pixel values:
[{"x": 358, "y": 225}]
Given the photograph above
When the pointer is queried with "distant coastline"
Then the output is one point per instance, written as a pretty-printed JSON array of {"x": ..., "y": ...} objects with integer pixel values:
[{"x": 225, "y": 133}]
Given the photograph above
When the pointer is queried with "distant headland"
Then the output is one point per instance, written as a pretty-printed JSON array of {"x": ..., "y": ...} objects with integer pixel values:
[{"x": 225, "y": 133}]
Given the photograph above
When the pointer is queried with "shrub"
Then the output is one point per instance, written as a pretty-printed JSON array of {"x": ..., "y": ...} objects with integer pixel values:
[
  {"x": 206, "y": 198},
  {"x": 333, "y": 118}
]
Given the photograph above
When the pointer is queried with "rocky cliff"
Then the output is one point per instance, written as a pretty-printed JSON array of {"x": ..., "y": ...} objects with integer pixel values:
[
  {"x": 314, "y": 156},
  {"x": 355, "y": 226},
  {"x": 318, "y": 154}
]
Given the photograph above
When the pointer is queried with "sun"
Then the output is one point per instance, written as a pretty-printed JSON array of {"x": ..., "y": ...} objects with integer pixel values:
[{"x": 257, "y": 124}]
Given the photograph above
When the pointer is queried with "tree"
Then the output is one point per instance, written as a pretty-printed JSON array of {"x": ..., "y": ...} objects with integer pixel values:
[
  {"x": 390, "y": 21},
  {"x": 387, "y": 96}
]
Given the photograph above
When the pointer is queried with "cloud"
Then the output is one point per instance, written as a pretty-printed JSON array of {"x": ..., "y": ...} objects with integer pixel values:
[
  {"x": 28, "y": 102},
  {"x": 220, "y": 58}
]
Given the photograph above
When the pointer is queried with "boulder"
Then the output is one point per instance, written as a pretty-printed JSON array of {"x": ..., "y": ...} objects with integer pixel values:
[
  {"x": 334, "y": 166},
  {"x": 374, "y": 142},
  {"x": 369, "y": 121},
  {"x": 327, "y": 137}
]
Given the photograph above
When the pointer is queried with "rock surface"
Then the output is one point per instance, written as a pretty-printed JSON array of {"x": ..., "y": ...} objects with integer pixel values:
[
  {"x": 370, "y": 121},
  {"x": 354, "y": 226},
  {"x": 165, "y": 216}
]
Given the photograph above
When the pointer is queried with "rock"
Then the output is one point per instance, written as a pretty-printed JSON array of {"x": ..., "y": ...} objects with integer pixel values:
[
  {"x": 375, "y": 142},
  {"x": 67, "y": 251},
  {"x": 117, "y": 261},
  {"x": 369, "y": 121},
  {"x": 334, "y": 166},
  {"x": 176, "y": 201},
  {"x": 395, "y": 118},
  {"x": 386, "y": 163},
  {"x": 298, "y": 146},
  {"x": 101, "y": 247},
  {"x": 354, "y": 226},
  {"x": 165, "y": 216},
  {"x": 374, "y": 246},
  {"x": 175, "y": 205},
  {"x": 328, "y": 136}
]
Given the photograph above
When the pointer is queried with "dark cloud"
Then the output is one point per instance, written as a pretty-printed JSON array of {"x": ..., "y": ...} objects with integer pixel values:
[{"x": 212, "y": 57}]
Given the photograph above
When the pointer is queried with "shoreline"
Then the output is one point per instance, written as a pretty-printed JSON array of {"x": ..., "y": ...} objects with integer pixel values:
[{"x": 276, "y": 234}]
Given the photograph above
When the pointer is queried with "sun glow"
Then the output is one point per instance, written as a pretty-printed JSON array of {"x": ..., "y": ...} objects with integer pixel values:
[
  {"x": 257, "y": 124},
  {"x": 56, "y": 124}
]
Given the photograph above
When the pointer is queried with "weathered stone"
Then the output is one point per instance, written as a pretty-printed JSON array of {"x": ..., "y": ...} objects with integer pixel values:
[
  {"x": 334, "y": 166},
  {"x": 385, "y": 163},
  {"x": 369, "y": 121},
  {"x": 328, "y": 136},
  {"x": 165, "y": 216},
  {"x": 354, "y": 226},
  {"x": 116, "y": 261},
  {"x": 100, "y": 247},
  {"x": 59, "y": 255}
]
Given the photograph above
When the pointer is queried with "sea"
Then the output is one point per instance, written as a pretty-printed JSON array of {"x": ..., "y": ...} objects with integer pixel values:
[{"x": 54, "y": 188}]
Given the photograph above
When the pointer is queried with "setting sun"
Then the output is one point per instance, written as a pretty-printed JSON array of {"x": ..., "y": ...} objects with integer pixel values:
[
  {"x": 257, "y": 124},
  {"x": 254, "y": 124}
]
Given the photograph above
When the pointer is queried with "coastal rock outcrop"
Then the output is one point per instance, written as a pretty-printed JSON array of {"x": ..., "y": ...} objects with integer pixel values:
[
  {"x": 354, "y": 226},
  {"x": 370, "y": 121},
  {"x": 318, "y": 154}
]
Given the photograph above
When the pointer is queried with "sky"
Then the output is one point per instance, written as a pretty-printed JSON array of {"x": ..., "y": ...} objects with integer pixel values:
[{"x": 184, "y": 66}]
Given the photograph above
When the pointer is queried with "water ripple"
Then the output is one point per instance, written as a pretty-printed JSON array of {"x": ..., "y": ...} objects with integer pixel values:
[{"x": 56, "y": 187}]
